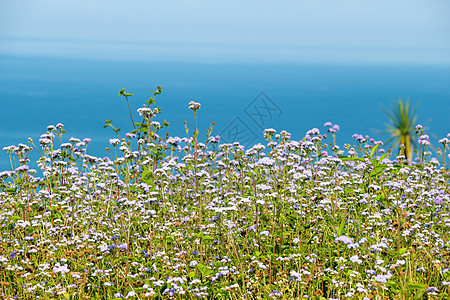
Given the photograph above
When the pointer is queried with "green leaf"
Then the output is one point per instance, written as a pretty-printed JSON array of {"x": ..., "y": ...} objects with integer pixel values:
[
  {"x": 345, "y": 158},
  {"x": 402, "y": 251},
  {"x": 416, "y": 286},
  {"x": 373, "y": 151},
  {"x": 117, "y": 260},
  {"x": 341, "y": 227},
  {"x": 204, "y": 270},
  {"x": 383, "y": 157},
  {"x": 419, "y": 295},
  {"x": 207, "y": 238},
  {"x": 147, "y": 177},
  {"x": 378, "y": 170},
  {"x": 393, "y": 284},
  {"x": 11, "y": 190}
]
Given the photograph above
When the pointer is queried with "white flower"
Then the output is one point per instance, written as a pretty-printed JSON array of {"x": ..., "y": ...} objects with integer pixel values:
[
  {"x": 193, "y": 263},
  {"x": 131, "y": 294},
  {"x": 194, "y": 105},
  {"x": 61, "y": 269},
  {"x": 356, "y": 259},
  {"x": 114, "y": 141},
  {"x": 344, "y": 239},
  {"x": 265, "y": 232}
]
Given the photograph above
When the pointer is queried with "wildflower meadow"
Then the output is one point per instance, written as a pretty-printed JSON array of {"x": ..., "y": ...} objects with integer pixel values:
[{"x": 165, "y": 217}]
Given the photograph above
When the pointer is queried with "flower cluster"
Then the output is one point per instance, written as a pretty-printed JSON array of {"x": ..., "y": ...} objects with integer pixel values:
[{"x": 175, "y": 218}]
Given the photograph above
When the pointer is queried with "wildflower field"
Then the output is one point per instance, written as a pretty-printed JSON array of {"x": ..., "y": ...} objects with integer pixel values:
[{"x": 167, "y": 217}]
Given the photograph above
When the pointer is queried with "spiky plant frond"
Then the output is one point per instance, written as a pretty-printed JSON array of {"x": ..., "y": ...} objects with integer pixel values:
[{"x": 402, "y": 120}]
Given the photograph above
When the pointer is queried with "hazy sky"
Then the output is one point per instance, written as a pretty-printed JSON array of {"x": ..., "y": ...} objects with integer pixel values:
[{"x": 381, "y": 31}]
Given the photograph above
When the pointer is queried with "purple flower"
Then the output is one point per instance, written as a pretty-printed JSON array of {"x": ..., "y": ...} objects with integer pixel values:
[
  {"x": 275, "y": 294},
  {"x": 23, "y": 168},
  {"x": 345, "y": 239},
  {"x": 382, "y": 278},
  {"x": 114, "y": 141},
  {"x": 359, "y": 138},
  {"x": 265, "y": 232},
  {"x": 193, "y": 263},
  {"x": 122, "y": 246},
  {"x": 444, "y": 141},
  {"x": 313, "y": 131}
]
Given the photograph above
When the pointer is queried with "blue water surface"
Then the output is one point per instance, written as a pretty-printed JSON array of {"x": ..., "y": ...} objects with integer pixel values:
[{"x": 82, "y": 94}]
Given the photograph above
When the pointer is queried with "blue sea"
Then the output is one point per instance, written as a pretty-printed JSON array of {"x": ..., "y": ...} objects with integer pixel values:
[{"x": 242, "y": 99}]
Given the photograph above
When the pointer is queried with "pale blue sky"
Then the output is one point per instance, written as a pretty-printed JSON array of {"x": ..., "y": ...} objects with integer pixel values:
[{"x": 349, "y": 31}]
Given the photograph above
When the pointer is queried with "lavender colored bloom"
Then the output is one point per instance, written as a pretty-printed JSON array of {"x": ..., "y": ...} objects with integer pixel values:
[
  {"x": 265, "y": 232},
  {"x": 313, "y": 131},
  {"x": 23, "y": 168},
  {"x": 114, "y": 141},
  {"x": 122, "y": 246},
  {"x": 344, "y": 239},
  {"x": 296, "y": 275},
  {"x": 193, "y": 263},
  {"x": 444, "y": 141},
  {"x": 267, "y": 161},
  {"x": 275, "y": 294},
  {"x": 74, "y": 140},
  {"x": 359, "y": 138},
  {"x": 194, "y": 105},
  {"x": 382, "y": 278}
]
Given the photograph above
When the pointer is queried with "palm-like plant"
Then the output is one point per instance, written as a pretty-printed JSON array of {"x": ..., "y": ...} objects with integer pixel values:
[{"x": 402, "y": 119}]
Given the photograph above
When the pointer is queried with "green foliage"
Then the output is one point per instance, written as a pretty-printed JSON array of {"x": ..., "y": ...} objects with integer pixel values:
[{"x": 232, "y": 223}]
